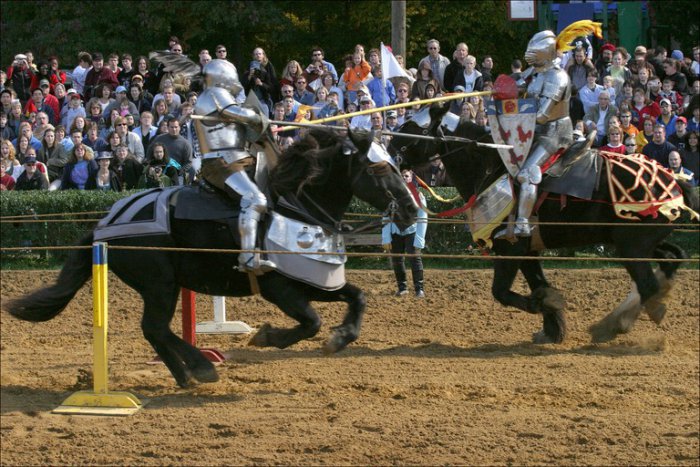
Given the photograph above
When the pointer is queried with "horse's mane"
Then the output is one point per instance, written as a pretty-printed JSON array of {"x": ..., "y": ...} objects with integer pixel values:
[{"x": 300, "y": 164}]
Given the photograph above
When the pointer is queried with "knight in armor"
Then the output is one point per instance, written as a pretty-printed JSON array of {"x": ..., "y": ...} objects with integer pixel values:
[
  {"x": 551, "y": 87},
  {"x": 225, "y": 143}
]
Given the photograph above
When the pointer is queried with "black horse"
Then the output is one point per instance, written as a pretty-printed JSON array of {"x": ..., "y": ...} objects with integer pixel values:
[
  {"x": 323, "y": 172},
  {"x": 472, "y": 168}
]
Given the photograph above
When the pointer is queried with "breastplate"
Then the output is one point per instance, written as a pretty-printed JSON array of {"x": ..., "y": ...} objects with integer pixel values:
[{"x": 217, "y": 136}]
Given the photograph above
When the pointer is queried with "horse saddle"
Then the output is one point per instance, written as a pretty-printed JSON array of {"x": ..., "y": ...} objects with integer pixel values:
[
  {"x": 576, "y": 172},
  {"x": 202, "y": 203}
]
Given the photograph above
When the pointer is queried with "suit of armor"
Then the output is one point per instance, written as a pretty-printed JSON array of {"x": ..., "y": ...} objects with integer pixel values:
[
  {"x": 224, "y": 142},
  {"x": 551, "y": 87}
]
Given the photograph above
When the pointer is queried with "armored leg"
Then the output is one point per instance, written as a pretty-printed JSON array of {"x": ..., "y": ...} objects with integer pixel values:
[
  {"x": 253, "y": 206},
  {"x": 529, "y": 177}
]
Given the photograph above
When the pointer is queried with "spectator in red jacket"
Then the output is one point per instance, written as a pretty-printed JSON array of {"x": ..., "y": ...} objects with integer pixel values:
[{"x": 99, "y": 74}]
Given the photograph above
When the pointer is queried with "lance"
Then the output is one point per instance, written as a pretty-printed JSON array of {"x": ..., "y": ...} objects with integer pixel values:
[
  {"x": 446, "y": 138},
  {"x": 450, "y": 97}
]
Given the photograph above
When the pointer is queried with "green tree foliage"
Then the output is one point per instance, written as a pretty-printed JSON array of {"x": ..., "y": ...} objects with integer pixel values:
[{"x": 287, "y": 29}]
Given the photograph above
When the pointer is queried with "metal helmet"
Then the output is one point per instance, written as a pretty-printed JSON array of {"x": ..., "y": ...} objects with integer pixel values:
[
  {"x": 222, "y": 74},
  {"x": 541, "y": 50}
]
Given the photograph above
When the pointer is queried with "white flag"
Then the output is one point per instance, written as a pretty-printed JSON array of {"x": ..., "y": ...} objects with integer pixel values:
[{"x": 390, "y": 67}]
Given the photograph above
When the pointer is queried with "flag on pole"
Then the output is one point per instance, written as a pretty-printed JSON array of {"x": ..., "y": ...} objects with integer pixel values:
[{"x": 390, "y": 66}]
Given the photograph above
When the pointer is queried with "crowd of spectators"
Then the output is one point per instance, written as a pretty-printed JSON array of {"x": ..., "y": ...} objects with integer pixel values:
[{"x": 123, "y": 124}]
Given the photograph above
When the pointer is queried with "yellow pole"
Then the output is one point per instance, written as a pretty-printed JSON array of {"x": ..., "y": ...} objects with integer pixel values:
[
  {"x": 99, "y": 401},
  {"x": 99, "y": 330}
]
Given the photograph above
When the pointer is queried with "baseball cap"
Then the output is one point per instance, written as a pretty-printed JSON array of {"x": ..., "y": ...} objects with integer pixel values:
[
  {"x": 44, "y": 82},
  {"x": 71, "y": 91},
  {"x": 365, "y": 99},
  {"x": 682, "y": 119},
  {"x": 640, "y": 50},
  {"x": 120, "y": 89},
  {"x": 75, "y": 95},
  {"x": 664, "y": 100},
  {"x": 459, "y": 88},
  {"x": 135, "y": 77},
  {"x": 103, "y": 155},
  {"x": 677, "y": 54},
  {"x": 30, "y": 160},
  {"x": 392, "y": 114}
]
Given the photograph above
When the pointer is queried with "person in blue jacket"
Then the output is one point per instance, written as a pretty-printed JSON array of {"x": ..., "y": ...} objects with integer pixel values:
[{"x": 409, "y": 241}]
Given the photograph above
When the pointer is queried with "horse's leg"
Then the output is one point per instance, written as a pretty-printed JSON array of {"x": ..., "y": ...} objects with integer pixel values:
[
  {"x": 349, "y": 330},
  {"x": 159, "y": 307},
  {"x": 655, "y": 306},
  {"x": 621, "y": 320},
  {"x": 548, "y": 300},
  {"x": 504, "y": 272},
  {"x": 292, "y": 298}
]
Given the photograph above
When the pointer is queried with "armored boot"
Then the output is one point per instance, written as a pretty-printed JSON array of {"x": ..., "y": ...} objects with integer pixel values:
[
  {"x": 400, "y": 273},
  {"x": 529, "y": 177},
  {"x": 526, "y": 202},
  {"x": 253, "y": 205},
  {"x": 248, "y": 228}
]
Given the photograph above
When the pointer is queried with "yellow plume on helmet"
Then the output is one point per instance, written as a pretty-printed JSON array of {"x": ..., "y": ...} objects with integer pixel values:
[{"x": 579, "y": 28}]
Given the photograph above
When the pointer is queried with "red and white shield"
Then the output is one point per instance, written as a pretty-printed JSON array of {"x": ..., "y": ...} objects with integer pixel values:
[{"x": 512, "y": 123}]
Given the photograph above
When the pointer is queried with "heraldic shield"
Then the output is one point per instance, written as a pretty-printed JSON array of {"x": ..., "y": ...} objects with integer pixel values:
[{"x": 512, "y": 122}]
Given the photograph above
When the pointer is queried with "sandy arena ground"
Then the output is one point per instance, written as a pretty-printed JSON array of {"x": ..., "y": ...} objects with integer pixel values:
[{"x": 452, "y": 379}]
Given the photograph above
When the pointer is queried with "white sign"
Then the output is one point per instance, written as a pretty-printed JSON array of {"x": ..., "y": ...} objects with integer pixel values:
[{"x": 522, "y": 10}]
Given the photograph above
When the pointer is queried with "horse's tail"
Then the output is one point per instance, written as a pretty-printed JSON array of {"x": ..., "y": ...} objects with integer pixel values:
[
  {"x": 45, "y": 304},
  {"x": 690, "y": 195}
]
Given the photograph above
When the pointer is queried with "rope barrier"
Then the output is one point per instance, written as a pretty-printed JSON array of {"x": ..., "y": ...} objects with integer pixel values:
[
  {"x": 434, "y": 220},
  {"x": 57, "y": 214},
  {"x": 371, "y": 255},
  {"x": 42, "y": 221}
]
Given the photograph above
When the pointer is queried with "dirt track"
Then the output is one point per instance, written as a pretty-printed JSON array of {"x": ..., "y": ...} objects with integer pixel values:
[{"x": 452, "y": 379}]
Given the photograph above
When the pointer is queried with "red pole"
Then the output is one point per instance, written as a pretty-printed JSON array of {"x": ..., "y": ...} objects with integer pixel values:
[{"x": 188, "y": 317}]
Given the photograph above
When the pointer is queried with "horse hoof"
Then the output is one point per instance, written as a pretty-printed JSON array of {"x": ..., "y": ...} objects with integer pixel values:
[
  {"x": 657, "y": 313},
  {"x": 260, "y": 337},
  {"x": 540, "y": 337},
  {"x": 206, "y": 375},
  {"x": 601, "y": 333},
  {"x": 337, "y": 342},
  {"x": 186, "y": 384}
]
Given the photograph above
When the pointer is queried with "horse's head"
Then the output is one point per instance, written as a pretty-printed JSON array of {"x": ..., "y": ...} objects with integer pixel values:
[
  {"x": 377, "y": 181},
  {"x": 412, "y": 152},
  {"x": 470, "y": 165},
  {"x": 328, "y": 169}
]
